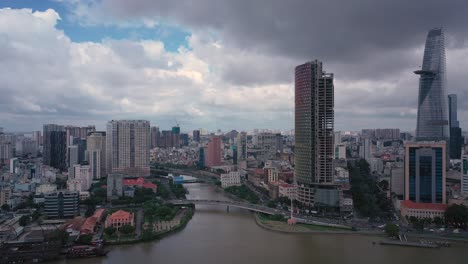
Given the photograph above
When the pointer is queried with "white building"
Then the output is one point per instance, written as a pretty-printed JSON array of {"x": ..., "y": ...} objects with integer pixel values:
[
  {"x": 13, "y": 164},
  {"x": 340, "y": 151},
  {"x": 232, "y": 178},
  {"x": 82, "y": 179}
]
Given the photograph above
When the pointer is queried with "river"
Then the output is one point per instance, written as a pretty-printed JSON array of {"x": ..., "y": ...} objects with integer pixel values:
[{"x": 216, "y": 236}]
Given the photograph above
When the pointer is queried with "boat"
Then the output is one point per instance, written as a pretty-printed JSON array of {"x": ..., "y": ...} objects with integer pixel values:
[{"x": 86, "y": 251}]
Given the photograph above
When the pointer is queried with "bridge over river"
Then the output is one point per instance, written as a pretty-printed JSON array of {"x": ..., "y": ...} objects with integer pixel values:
[{"x": 243, "y": 205}]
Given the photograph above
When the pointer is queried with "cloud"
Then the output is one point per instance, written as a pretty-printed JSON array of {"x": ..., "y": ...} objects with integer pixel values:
[{"x": 236, "y": 70}]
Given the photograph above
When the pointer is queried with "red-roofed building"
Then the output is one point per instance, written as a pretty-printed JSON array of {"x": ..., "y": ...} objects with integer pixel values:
[
  {"x": 119, "y": 219},
  {"x": 89, "y": 226},
  {"x": 140, "y": 182},
  {"x": 422, "y": 210}
]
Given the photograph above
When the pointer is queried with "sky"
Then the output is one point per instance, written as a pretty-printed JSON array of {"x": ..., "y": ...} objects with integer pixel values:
[{"x": 219, "y": 64}]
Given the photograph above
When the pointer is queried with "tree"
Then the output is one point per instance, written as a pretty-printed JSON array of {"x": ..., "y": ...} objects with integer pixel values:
[
  {"x": 457, "y": 216},
  {"x": 438, "y": 221},
  {"x": 35, "y": 215},
  {"x": 5, "y": 207},
  {"x": 110, "y": 231},
  {"x": 147, "y": 235},
  {"x": 127, "y": 229},
  {"x": 392, "y": 230},
  {"x": 24, "y": 220}
]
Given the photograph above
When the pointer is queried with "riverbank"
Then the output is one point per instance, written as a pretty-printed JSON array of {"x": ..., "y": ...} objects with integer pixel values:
[
  {"x": 283, "y": 227},
  {"x": 148, "y": 235}
]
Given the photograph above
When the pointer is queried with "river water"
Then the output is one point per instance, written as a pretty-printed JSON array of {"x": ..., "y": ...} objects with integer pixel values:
[{"x": 216, "y": 236}]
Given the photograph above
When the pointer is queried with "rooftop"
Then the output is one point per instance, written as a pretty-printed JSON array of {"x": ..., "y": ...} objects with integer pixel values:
[{"x": 423, "y": 206}]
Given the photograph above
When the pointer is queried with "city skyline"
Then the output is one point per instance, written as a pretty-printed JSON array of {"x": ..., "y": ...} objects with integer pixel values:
[{"x": 103, "y": 62}]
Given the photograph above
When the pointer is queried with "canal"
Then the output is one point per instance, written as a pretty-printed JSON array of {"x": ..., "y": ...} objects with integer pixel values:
[{"x": 216, "y": 236}]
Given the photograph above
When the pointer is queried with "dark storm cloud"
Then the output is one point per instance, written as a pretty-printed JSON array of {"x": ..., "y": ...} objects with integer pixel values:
[{"x": 332, "y": 30}]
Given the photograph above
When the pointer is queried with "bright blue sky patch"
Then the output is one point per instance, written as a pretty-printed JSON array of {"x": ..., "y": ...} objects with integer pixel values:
[{"x": 172, "y": 36}]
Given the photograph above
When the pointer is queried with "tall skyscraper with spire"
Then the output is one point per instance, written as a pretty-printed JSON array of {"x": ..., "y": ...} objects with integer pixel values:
[{"x": 433, "y": 120}]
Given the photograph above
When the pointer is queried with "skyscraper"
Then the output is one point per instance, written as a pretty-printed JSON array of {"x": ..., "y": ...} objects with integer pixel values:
[
  {"x": 58, "y": 150},
  {"x": 456, "y": 139},
  {"x": 46, "y": 133},
  {"x": 314, "y": 121},
  {"x": 213, "y": 155},
  {"x": 242, "y": 146},
  {"x": 433, "y": 122},
  {"x": 127, "y": 147}
]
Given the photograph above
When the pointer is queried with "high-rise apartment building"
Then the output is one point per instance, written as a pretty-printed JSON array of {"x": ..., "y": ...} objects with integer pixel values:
[
  {"x": 314, "y": 122},
  {"x": 127, "y": 147},
  {"x": 242, "y": 146},
  {"x": 433, "y": 120},
  {"x": 96, "y": 154},
  {"x": 213, "y": 155},
  {"x": 155, "y": 135},
  {"x": 425, "y": 172}
]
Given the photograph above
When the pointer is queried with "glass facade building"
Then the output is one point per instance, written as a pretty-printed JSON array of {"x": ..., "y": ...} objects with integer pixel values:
[
  {"x": 433, "y": 123},
  {"x": 425, "y": 172}
]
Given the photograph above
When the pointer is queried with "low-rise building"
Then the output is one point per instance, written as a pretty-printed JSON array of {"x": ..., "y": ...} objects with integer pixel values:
[
  {"x": 422, "y": 210},
  {"x": 287, "y": 190},
  {"x": 119, "y": 219},
  {"x": 232, "y": 178},
  {"x": 140, "y": 182}
]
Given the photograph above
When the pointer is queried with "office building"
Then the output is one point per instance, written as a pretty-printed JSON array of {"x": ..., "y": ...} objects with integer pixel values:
[
  {"x": 425, "y": 172},
  {"x": 96, "y": 154},
  {"x": 456, "y": 138},
  {"x": 127, "y": 147},
  {"x": 57, "y": 149},
  {"x": 433, "y": 120},
  {"x": 314, "y": 121},
  {"x": 213, "y": 155},
  {"x": 46, "y": 142},
  {"x": 61, "y": 204}
]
